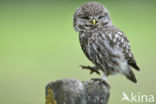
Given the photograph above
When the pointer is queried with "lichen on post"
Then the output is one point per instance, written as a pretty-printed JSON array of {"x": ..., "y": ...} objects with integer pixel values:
[{"x": 50, "y": 97}]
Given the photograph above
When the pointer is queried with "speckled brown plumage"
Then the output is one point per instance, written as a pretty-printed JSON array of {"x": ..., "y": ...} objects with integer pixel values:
[{"x": 104, "y": 45}]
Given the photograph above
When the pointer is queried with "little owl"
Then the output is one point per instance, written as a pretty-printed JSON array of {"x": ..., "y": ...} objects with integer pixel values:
[{"x": 104, "y": 45}]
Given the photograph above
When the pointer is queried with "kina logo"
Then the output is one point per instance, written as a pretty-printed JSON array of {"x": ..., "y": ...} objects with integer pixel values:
[{"x": 137, "y": 98}]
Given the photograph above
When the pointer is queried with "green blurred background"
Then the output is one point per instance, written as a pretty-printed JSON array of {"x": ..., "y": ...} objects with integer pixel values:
[{"x": 38, "y": 45}]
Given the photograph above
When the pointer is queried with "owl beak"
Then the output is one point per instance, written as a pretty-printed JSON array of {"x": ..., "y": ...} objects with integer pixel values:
[{"x": 93, "y": 22}]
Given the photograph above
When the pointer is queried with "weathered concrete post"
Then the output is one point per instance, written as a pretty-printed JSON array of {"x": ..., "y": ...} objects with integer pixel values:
[{"x": 73, "y": 91}]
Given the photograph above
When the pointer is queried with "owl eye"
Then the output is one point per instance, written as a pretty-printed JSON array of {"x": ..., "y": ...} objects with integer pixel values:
[
  {"x": 85, "y": 17},
  {"x": 100, "y": 17},
  {"x": 103, "y": 16}
]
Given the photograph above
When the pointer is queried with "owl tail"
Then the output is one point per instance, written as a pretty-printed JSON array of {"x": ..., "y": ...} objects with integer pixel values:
[
  {"x": 130, "y": 75},
  {"x": 133, "y": 64}
]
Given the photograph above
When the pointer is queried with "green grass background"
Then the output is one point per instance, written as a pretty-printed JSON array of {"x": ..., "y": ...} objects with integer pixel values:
[{"x": 38, "y": 45}]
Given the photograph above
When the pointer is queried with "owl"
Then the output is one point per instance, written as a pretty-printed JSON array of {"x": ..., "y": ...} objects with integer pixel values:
[{"x": 105, "y": 45}]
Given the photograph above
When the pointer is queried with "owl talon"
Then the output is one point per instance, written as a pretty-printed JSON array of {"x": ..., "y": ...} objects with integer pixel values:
[
  {"x": 101, "y": 81},
  {"x": 92, "y": 69}
]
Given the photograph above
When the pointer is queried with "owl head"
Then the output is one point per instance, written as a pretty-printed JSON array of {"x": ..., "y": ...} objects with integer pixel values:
[{"x": 91, "y": 16}]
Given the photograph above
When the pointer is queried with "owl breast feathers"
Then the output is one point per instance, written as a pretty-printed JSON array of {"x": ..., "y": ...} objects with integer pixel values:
[{"x": 109, "y": 49}]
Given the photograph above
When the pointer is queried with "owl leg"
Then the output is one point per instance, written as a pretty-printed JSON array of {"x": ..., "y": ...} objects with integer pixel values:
[
  {"x": 92, "y": 69},
  {"x": 102, "y": 80}
]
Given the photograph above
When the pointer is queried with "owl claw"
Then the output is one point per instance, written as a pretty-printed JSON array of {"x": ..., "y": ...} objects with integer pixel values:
[
  {"x": 101, "y": 81},
  {"x": 92, "y": 69}
]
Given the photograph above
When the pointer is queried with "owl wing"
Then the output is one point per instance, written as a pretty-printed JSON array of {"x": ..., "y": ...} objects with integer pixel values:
[{"x": 117, "y": 37}]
